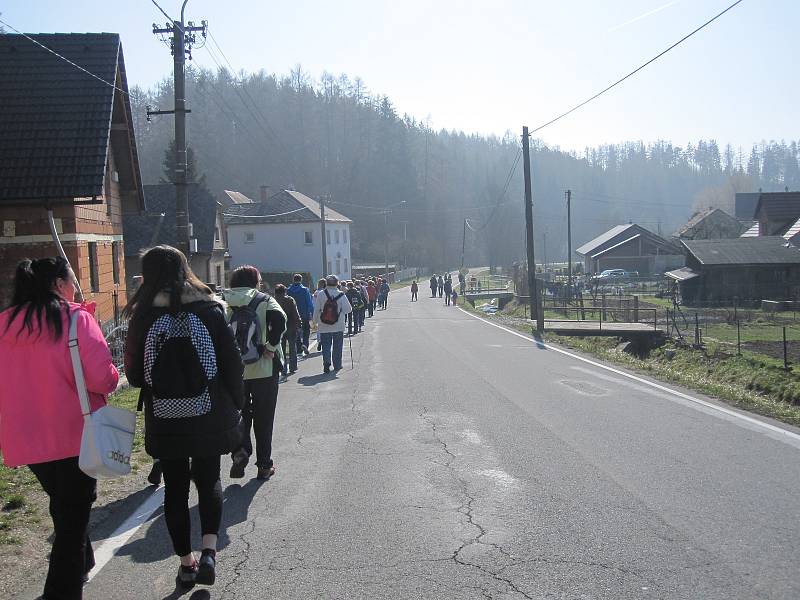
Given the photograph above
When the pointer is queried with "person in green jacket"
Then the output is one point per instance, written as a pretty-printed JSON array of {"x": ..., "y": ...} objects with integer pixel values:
[{"x": 260, "y": 377}]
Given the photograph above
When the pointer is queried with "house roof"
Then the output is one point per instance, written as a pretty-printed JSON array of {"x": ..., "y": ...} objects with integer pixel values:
[
  {"x": 752, "y": 231},
  {"x": 793, "y": 231},
  {"x": 744, "y": 251},
  {"x": 157, "y": 225},
  {"x": 779, "y": 206},
  {"x": 230, "y": 198},
  {"x": 745, "y": 205},
  {"x": 617, "y": 245},
  {"x": 694, "y": 226},
  {"x": 287, "y": 206},
  {"x": 57, "y": 122},
  {"x": 602, "y": 239}
]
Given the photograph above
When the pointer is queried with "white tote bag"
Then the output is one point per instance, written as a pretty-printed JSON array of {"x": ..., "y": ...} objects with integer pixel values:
[{"x": 108, "y": 432}]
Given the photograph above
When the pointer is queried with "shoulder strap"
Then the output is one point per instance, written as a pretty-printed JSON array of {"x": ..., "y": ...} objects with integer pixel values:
[
  {"x": 337, "y": 297},
  {"x": 257, "y": 299},
  {"x": 77, "y": 367},
  {"x": 329, "y": 296}
]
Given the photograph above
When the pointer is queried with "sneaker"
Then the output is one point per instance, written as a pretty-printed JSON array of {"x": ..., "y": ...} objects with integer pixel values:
[
  {"x": 305, "y": 350},
  {"x": 326, "y": 368},
  {"x": 207, "y": 568},
  {"x": 187, "y": 576},
  {"x": 292, "y": 371},
  {"x": 240, "y": 460},
  {"x": 319, "y": 346},
  {"x": 154, "y": 478},
  {"x": 264, "y": 473}
]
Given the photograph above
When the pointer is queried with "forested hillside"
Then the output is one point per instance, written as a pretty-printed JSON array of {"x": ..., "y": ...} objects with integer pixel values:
[{"x": 333, "y": 137}]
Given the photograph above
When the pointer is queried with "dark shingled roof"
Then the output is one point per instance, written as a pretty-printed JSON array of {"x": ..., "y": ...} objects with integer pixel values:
[
  {"x": 287, "y": 206},
  {"x": 157, "y": 225},
  {"x": 744, "y": 251},
  {"x": 55, "y": 120},
  {"x": 779, "y": 206}
]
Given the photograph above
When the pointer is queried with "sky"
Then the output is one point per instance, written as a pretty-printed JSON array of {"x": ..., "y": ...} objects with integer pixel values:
[{"x": 490, "y": 67}]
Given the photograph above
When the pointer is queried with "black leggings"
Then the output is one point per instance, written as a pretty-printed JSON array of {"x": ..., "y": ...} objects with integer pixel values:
[
  {"x": 177, "y": 475},
  {"x": 71, "y": 493}
]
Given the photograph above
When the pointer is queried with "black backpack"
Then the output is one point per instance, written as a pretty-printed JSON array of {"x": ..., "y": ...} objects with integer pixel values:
[
  {"x": 247, "y": 330},
  {"x": 179, "y": 365},
  {"x": 330, "y": 310}
]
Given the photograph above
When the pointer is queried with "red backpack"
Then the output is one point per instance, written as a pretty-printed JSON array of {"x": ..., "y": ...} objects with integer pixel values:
[{"x": 330, "y": 310}]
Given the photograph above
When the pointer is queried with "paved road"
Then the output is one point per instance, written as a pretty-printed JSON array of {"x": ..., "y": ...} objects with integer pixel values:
[{"x": 460, "y": 461}]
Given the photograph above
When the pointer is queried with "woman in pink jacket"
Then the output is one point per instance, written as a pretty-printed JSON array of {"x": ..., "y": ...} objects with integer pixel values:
[{"x": 40, "y": 413}]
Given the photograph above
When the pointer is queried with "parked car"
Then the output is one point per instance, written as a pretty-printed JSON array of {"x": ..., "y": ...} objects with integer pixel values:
[{"x": 610, "y": 275}]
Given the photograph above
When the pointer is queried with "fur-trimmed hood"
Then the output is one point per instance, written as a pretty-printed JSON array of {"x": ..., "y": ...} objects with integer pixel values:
[{"x": 189, "y": 294}]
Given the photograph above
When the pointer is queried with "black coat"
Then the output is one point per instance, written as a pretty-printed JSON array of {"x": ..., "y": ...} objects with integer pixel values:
[{"x": 212, "y": 434}]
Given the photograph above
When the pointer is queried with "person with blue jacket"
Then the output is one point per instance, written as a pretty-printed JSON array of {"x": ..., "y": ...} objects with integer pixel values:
[{"x": 305, "y": 306}]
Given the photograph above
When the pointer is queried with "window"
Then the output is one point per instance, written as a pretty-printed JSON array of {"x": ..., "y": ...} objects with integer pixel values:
[
  {"x": 329, "y": 268},
  {"x": 328, "y": 236},
  {"x": 216, "y": 234},
  {"x": 338, "y": 266},
  {"x": 249, "y": 237},
  {"x": 115, "y": 261},
  {"x": 336, "y": 236},
  {"x": 94, "y": 280},
  {"x": 219, "y": 275},
  {"x": 308, "y": 237},
  {"x": 345, "y": 265},
  {"x": 344, "y": 236}
]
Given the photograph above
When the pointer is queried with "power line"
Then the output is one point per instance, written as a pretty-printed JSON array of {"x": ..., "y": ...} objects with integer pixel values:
[
  {"x": 263, "y": 216},
  {"x": 509, "y": 177},
  {"x": 616, "y": 83},
  {"x": 64, "y": 58},
  {"x": 163, "y": 12},
  {"x": 607, "y": 199}
]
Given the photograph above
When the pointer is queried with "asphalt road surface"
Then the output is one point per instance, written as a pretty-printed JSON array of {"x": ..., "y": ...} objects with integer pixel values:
[{"x": 457, "y": 460}]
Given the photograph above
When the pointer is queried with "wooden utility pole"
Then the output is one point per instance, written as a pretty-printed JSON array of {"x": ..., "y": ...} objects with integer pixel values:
[
  {"x": 569, "y": 246},
  {"x": 182, "y": 40},
  {"x": 463, "y": 244},
  {"x": 533, "y": 292}
]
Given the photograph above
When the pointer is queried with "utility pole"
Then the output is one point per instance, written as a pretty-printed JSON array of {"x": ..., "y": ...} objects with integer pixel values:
[
  {"x": 182, "y": 40},
  {"x": 323, "y": 239},
  {"x": 463, "y": 244},
  {"x": 569, "y": 246},
  {"x": 533, "y": 292},
  {"x": 386, "y": 242}
]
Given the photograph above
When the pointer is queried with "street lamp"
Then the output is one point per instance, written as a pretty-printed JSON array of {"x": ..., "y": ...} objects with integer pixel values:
[{"x": 386, "y": 211}]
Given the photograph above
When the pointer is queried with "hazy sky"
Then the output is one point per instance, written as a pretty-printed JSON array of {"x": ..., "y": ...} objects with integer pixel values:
[{"x": 494, "y": 66}]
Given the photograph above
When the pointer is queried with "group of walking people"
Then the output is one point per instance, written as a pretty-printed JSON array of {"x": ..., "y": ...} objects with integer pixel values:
[
  {"x": 209, "y": 372},
  {"x": 442, "y": 286}
]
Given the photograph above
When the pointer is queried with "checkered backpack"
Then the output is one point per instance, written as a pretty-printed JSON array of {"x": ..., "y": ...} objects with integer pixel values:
[{"x": 179, "y": 365}]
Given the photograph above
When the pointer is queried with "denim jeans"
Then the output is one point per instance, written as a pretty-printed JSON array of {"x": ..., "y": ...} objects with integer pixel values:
[
  {"x": 303, "y": 333},
  {"x": 71, "y": 493},
  {"x": 290, "y": 350},
  {"x": 332, "y": 344}
]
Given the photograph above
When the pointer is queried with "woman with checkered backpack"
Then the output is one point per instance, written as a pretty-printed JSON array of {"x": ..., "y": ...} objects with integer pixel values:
[{"x": 182, "y": 354}]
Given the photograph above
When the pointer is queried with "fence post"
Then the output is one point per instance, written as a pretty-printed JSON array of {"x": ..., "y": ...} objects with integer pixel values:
[
  {"x": 603, "y": 308},
  {"x": 738, "y": 339},
  {"x": 696, "y": 330},
  {"x": 636, "y": 309},
  {"x": 785, "y": 357}
]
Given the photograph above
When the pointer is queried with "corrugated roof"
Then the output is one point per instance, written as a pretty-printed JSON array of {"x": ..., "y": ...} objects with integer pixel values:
[
  {"x": 232, "y": 198},
  {"x": 604, "y": 238},
  {"x": 55, "y": 120},
  {"x": 744, "y": 251},
  {"x": 682, "y": 274},
  {"x": 617, "y": 245},
  {"x": 287, "y": 206},
  {"x": 157, "y": 225},
  {"x": 792, "y": 231}
]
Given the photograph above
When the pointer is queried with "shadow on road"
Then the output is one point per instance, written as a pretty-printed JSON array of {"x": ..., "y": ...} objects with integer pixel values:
[
  {"x": 310, "y": 380},
  {"x": 237, "y": 503},
  {"x": 196, "y": 594},
  {"x": 539, "y": 341}
]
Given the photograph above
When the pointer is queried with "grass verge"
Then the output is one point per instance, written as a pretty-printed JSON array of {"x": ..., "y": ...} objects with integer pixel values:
[{"x": 753, "y": 382}]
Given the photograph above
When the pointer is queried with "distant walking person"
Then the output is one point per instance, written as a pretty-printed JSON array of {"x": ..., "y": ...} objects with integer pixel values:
[
  {"x": 440, "y": 285},
  {"x": 331, "y": 308},
  {"x": 448, "y": 290},
  {"x": 434, "y": 285},
  {"x": 305, "y": 306},
  {"x": 191, "y": 399},
  {"x": 354, "y": 296},
  {"x": 320, "y": 287},
  {"x": 385, "y": 289},
  {"x": 293, "y": 323},
  {"x": 40, "y": 413},
  {"x": 372, "y": 296},
  {"x": 414, "y": 290}
]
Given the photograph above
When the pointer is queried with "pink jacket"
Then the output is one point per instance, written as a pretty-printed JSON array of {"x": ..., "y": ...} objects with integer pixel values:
[{"x": 40, "y": 413}]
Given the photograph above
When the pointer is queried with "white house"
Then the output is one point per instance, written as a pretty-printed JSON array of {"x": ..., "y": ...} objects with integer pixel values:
[{"x": 283, "y": 232}]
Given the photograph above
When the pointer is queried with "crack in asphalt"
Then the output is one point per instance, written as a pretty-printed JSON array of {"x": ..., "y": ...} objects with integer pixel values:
[
  {"x": 466, "y": 509},
  {"x": 238, "y": 568}
]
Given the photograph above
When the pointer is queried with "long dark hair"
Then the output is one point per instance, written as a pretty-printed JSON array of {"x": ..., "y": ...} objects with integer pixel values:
[
  {"x": 34, "y": 281},
  {"x": 164, "y": 269}
]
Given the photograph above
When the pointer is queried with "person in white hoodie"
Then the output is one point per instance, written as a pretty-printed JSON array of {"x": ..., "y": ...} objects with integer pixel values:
[{"x": 331, "y": 322}]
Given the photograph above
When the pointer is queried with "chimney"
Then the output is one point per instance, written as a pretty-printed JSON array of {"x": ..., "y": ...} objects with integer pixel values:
[{"x": 264, "y": 192}]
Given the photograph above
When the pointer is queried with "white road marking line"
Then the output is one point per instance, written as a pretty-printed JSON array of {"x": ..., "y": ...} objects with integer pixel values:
[
  {"x": 782, "y": 434},
  {"x": 123, "y": 533}
]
